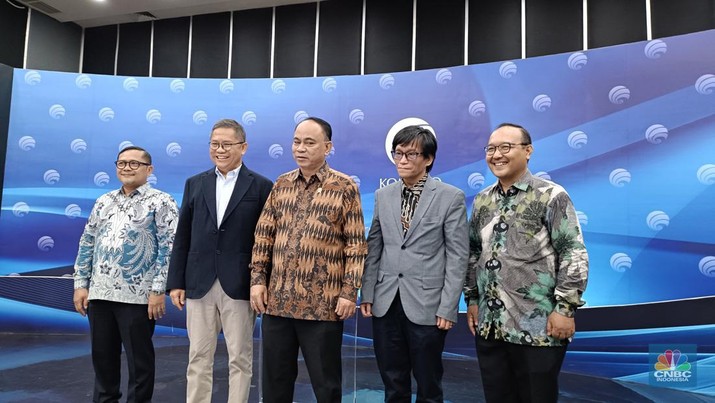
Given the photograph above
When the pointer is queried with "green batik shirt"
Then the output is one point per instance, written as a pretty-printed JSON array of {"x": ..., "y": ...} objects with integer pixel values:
[{"x": 526, "y": 259}]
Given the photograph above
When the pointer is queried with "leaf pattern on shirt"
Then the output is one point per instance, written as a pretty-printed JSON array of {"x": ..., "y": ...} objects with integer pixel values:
[
  {"x": 527, "y": 259},
  {"x": 565, "y": 239},
  {"x": 538, "y": 292}
]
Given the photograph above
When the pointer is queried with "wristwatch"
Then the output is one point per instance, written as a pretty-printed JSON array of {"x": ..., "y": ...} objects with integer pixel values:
[{"x": 156, "y": 293}]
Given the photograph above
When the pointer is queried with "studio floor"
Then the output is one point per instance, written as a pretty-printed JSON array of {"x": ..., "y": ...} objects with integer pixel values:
[{"x": 58, "y": 368}]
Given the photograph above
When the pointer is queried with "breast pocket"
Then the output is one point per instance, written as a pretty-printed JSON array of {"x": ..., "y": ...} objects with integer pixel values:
[{"x": 529, "y": 235}]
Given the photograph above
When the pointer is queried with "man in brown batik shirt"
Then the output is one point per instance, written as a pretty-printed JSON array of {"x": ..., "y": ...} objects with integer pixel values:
[{"x": 306, "y": 268}]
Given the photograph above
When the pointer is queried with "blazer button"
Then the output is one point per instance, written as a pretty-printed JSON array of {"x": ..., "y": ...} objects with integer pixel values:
[
  {"x": 215, "y": 232},
  {"x": 399, "y": 275},
  {"x": 403, "y": 247},
  {"x": 218, "y": 252}
]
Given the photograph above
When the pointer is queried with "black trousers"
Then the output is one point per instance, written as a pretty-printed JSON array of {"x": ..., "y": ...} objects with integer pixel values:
[
  {"x": 402, "y": 349},
  {"x": 519, "y": 373},
  {"x": 111, "y": 325},
  {"x": 319, "y": 341}
]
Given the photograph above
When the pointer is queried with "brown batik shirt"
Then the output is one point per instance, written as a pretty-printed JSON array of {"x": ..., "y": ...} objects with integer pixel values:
[{"x": 310, "y": 244}]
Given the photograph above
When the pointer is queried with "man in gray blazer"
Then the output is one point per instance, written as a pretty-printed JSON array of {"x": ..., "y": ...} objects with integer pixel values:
[{"x": 417, "y": 256}]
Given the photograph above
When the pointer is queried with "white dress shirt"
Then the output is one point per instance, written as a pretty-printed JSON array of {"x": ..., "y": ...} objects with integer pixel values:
[{"x": 224, "y": 190}]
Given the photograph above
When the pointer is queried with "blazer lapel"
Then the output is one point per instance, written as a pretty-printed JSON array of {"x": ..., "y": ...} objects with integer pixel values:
[
  {"x": 243, "y": 182},
  {"x": 393, "y": 199},
  {"x": 428, "y": 194},
  {"x": 209, "y": 185}
]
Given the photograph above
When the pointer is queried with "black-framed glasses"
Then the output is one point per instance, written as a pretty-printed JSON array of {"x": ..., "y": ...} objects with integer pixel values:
[
  {"x": 133, "y": 165},
  {"x": 226, "y": 146},
  {"x": 411, "y": 156},
  {"x": 503, "y": 148}
]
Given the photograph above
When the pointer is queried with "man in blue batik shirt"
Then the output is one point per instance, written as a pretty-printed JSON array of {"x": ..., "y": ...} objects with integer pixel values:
[{"x": 120, "y": 276}]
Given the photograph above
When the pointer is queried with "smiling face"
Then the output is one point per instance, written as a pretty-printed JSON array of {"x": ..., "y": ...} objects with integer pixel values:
[
  {"x": 133, "y": 178},
  {"x": 310, "y": 147},
  {"x": 509, "y": 167},
  {"x": 227, "y": 160}
]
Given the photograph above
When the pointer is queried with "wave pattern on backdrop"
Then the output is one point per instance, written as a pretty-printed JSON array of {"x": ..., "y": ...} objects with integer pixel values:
[{"x": 627, "y": 130}]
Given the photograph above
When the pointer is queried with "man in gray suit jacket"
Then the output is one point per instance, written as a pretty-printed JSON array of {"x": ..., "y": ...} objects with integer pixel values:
[{"x": 417, "y": 256}]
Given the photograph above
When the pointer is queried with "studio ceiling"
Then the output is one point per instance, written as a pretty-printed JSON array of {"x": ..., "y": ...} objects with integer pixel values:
[{"x": 90, "y": 13}]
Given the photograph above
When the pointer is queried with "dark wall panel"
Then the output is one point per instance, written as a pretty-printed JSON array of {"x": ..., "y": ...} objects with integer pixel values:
[
  {"x": 613, "y": 22},
  {"x": 209, "y": 45},
  {"x": 13, "y": 22},
  {"x": 553, "y": 26},
  {"x": 295, "y": 41},
  {"x": 5, "y": 99},
  {"x": 100, "y": 45},
  {"x": 251, "y": 53},
  {"x": 681, "y": 17},
  {"x": 388, "y": 36},
  {"x": 339, "y": 37},
  {"x": 171, "y": 47},
  {"x": 53, "y": 45},
  {"x": 440, "y": 34},
  {"x": 134, "y": 49},
  {"x": 494, "y": 30}
]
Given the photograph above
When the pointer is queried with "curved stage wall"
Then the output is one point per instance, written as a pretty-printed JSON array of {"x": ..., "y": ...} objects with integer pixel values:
[{"x": 627, "y": 130}]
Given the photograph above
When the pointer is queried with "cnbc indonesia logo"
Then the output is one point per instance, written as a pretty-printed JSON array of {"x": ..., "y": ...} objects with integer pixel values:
[{"x": 673, "y": 366}]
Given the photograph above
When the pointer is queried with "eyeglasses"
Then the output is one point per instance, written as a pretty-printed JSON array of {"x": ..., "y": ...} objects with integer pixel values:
[
  {"x": 133, "y": 165},
  {"x": 226, "y": 146},
  {"x": 503, "y": 148},
  {"x": 411, "y": 156}
]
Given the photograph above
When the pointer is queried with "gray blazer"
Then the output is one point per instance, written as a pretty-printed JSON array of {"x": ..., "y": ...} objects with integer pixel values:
[{"x": 428, "y": 264}]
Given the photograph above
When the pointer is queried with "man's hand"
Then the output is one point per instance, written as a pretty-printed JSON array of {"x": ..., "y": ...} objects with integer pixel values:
[
  {"x": 81, "y": 301},
  {"x": 178, "y": 298},
  {"x": 559, "y": 326},
  {"x": 472, "y": 317},
  {"x": 345, "y": 308},
  {"x": 157, "y": 306},
  {"x": 259, "y": 298},
  {"x": 444, "y": 324},
  {"x": 366, "y": 309}
]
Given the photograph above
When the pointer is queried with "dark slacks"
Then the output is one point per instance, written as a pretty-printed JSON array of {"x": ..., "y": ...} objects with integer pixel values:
[
  {"x": 319, "y": 341},
  {"x": 519, "y": 373},
  {"x": 402, "y": 348},
  {"x": 113, "y": 324}
]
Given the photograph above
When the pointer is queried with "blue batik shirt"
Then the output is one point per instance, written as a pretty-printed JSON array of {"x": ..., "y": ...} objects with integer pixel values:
[{"x": 125, "y": 247}]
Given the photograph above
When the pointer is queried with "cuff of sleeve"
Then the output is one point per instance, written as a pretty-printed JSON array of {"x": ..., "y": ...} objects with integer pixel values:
[
  {"x": 471, "y": 298},
  {"x": 158, "y": 287},
  {"x": 349, "y": 293},
  {"x": 566, "y": 309},
  {"x": 81, "y": 283},
  {"x": 258, "y": 279}
]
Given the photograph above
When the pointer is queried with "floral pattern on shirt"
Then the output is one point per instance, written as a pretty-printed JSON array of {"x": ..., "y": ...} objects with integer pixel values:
[
  {"x": 126, "y": 244},
  {"x": 527, "y": 260}
]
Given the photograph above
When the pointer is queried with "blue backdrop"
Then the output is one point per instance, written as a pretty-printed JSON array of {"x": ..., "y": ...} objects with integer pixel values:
[{"x": 627, "y": 130}]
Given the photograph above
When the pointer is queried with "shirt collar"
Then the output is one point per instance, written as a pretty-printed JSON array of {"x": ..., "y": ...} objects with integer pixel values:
[
  {"x": 417, "y": 186},
  {"x": 140, "y": 190},
  {"x": 230, "y": 175},
  {"x": 322, "y": 173},
  {"x": 522, "y": 184}
]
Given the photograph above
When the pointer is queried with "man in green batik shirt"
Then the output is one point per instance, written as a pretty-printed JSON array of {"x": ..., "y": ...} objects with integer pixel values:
[{"x": 528, "y": 269}]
